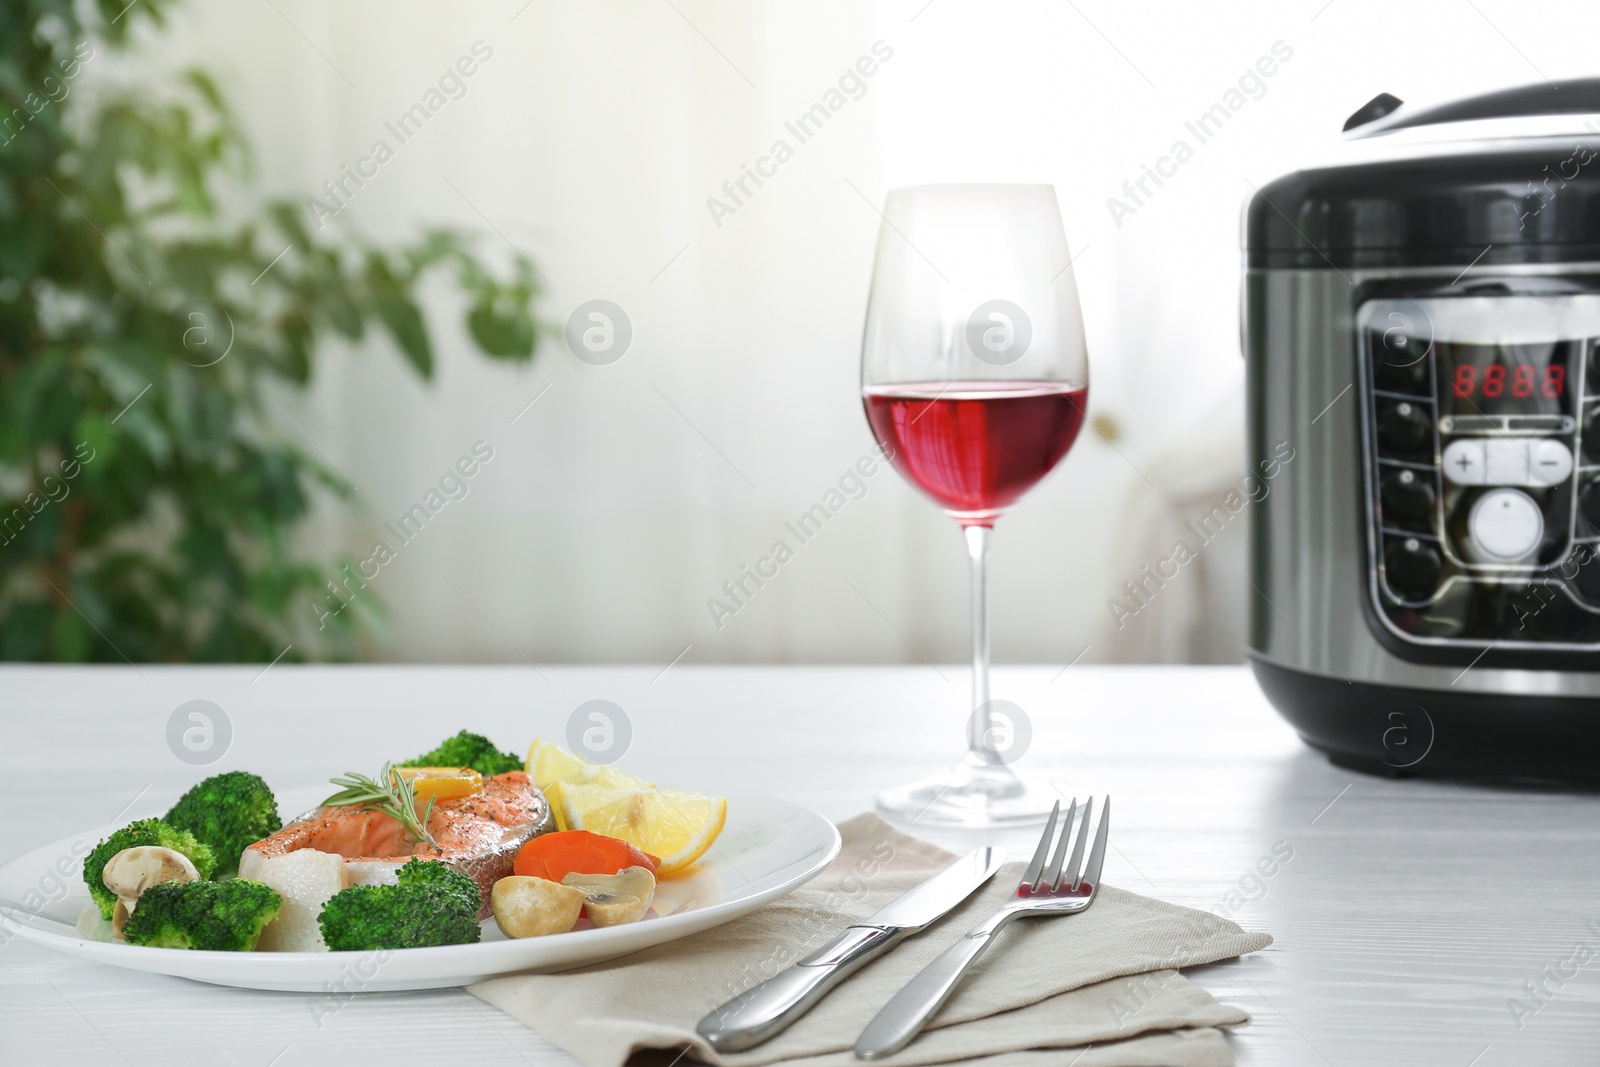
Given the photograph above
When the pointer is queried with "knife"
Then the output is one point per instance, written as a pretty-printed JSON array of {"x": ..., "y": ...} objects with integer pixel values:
[{"x": 768, "y": 1008}]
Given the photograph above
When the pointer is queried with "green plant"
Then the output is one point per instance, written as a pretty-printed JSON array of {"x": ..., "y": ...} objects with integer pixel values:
[{"x": 148, "y": 486}]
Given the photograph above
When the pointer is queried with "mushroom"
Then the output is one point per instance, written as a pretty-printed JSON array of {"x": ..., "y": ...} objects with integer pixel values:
[
  {"x": 532, "y": 907},
  {"x": 612, "y": 899},
  {"x": 133, "y": 870}
]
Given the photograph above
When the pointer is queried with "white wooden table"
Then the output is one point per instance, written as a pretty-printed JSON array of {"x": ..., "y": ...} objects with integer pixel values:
[{"x": 1410, "y": 914}]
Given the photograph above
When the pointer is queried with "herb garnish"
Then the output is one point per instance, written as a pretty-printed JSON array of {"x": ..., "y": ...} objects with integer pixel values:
[{"x": 391, "y": 794}]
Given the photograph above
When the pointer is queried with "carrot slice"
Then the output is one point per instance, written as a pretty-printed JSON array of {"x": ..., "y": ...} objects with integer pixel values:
[{"x": 556, "y": 855}]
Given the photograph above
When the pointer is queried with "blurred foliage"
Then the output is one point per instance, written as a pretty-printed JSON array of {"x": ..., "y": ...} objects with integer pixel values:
[{"x": 148, "y": 486}]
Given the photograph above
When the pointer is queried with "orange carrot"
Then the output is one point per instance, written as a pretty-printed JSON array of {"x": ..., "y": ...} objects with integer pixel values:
[{"x": 556, "y": 855}]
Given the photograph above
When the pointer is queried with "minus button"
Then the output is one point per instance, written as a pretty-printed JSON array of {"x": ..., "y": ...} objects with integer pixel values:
[{"x": 1549, "y": 462}]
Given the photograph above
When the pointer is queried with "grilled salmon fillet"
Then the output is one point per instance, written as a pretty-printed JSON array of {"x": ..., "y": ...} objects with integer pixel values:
[{"x": 478, "y": 835}]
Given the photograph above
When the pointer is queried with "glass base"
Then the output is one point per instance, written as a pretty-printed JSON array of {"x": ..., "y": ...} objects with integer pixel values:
[{"x": 971, "y": 794}]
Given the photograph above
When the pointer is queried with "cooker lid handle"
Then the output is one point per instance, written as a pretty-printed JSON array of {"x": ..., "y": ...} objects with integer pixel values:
[
  {"x": 1372, "y": 110},
  {"x": 1579, "y": 96}
]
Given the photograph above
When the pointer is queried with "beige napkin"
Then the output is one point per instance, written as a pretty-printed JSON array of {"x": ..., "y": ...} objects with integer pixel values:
[{"x": 1095, "y": 990}]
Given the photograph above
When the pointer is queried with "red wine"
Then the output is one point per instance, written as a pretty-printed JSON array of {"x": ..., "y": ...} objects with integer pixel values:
[{"x": 975, "y": 447}]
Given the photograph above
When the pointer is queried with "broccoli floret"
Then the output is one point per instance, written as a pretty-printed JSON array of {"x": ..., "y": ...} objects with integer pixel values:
[
  {"x": 468, "y": 750},
  {"x": 221, "y": 916},
  {"x": 443, "y": 877},
  {"x": 229, "y": 812},
  {"x": 143, "y": 832},
  {"x": 431, "y": 905}
]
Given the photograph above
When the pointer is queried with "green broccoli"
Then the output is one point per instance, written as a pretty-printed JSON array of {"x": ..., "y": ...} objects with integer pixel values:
[
  {"x": 431, "y": 905},
  {"x": 221, "y": 916},
  {"x": 229, "y": 812},
  {"x": 468, "y": 750},
  {"x": 143, "y": 832},
  {"x": 442, "y": 877}
]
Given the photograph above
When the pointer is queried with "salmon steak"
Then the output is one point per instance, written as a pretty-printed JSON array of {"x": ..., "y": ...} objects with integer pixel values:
[{"x": 478, "y": 835}]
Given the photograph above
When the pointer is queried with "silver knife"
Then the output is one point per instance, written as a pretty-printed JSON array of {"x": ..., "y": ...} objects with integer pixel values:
[{"x": 768, "y": 1008}]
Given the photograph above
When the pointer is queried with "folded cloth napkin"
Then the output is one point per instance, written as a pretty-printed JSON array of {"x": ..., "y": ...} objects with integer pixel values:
[{"x": 1099, "y": 989}]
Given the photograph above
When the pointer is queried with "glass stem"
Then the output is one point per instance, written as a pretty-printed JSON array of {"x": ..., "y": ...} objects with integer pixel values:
[{"x": 978, "y": 552}]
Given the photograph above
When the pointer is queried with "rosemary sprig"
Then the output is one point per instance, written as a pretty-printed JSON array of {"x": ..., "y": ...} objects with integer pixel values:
[{"x": 389, "y": 793}]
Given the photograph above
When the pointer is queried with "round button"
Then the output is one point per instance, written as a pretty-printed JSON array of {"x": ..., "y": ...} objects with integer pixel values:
[
  {"x": 1506, "y": 524},
  {"x": 1407, "y": 501},
  {"x": 1401, "y": 365},
  {"x": 1412, "y": 569},
  {"x": 1405, "y": 428}
]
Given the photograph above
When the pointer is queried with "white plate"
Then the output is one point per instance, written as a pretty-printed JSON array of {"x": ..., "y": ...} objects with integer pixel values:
[{"x": 768, "y": 848}]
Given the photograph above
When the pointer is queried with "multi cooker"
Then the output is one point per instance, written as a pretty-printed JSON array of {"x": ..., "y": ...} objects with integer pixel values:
[{"x": 1421, "y": 323}]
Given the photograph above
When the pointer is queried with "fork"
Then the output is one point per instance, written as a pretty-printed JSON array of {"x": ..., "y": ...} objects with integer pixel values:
[{"x": 1061, "y": 888}]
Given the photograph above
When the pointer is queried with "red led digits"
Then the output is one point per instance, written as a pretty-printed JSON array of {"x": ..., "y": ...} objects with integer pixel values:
[{"x": 1521, "y": 382}]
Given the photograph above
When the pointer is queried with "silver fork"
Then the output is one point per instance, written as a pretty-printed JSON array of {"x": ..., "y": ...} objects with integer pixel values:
[{"x": 1043, "y": 891}]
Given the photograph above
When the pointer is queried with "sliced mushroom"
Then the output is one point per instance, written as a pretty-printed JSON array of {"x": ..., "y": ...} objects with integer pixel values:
[
  {"x": 533, "y": 907},
  {"x": 613, "y": 899},
  {"x": 133, "y": 870}
]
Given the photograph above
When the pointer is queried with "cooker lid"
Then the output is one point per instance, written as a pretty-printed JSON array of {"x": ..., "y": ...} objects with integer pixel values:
[
  {"x": 1506, "y": 177},
  {"x": 1385, "y": 114}
]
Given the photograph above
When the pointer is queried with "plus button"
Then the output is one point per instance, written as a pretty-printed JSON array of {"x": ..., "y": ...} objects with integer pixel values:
[{"x": 1464, "y": 462}]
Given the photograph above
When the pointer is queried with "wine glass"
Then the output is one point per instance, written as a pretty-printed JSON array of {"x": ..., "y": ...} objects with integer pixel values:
[{"x": 975, "y": 379}]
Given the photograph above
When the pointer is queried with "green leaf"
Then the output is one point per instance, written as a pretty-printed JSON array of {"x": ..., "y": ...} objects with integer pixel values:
[
  {"x": 288, "y": 216},
  {"x": 24, "y": 630},
  {"x": 296, "y": 333},
  {"x": 344, "y": 314},
  {"x": 504, "y": 333},
  {"x": 69, "y": 637},
  {"x": 95, "y": 444},
  {"x": 405, "y": 325},
  {"x": 204, "y": 548}
]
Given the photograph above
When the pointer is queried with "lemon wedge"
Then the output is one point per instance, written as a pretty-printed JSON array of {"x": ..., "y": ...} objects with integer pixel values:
[
  {"x": 441, "y": 783},
  {"x": 671, "y": 824},
  {"x": 548, "y": 764}
]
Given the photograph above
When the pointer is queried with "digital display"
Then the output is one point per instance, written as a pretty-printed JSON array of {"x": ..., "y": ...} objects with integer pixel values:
[
  {"x": 1496, "y": 381},
  {"x": 1513, "y": 379}
]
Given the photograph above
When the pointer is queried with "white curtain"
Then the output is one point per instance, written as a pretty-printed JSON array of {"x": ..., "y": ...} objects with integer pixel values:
[{"x": 592, "y": 136}]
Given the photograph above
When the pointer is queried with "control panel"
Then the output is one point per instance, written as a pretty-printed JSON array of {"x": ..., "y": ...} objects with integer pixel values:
[{"x": 1481, "y": 442}]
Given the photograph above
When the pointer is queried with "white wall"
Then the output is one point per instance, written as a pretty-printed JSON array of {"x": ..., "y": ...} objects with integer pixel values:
[{"x": 592, "y": 139}]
